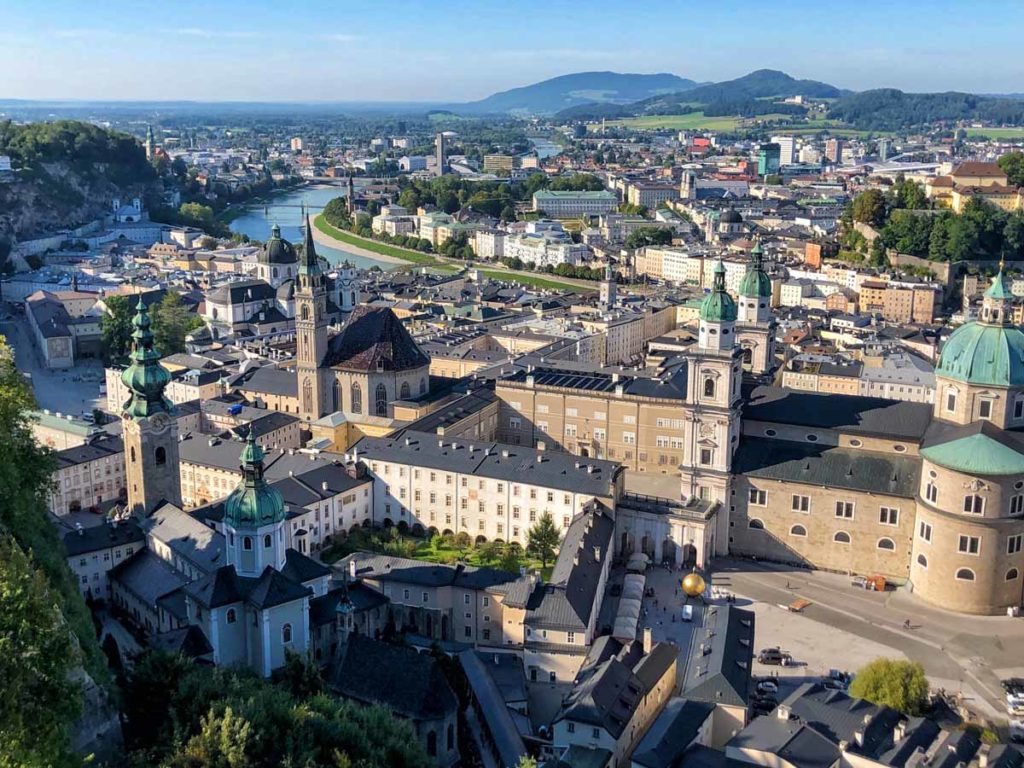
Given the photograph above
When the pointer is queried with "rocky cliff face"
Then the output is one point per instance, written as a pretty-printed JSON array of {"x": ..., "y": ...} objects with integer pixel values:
[{"x": 67, "y": 174}]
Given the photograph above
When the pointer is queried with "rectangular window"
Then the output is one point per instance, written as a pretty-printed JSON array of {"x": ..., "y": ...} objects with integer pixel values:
[
  {"x": 515, "y": 422},
  {"x": 844, "y": 509},
  {"x": 1013, "y": 544},
  {"x": 1017, "y": 504},
  {"x": 931, "y": 492},
  {"x": 629, "y": 419},
  {"x": 974, "y": 504},
  {"x": 924, "y": 531},
  {"x": 969, "y": 545},
  {"x": 570, "y": 637},
  {"x": 570, "y": 430},
  {"x": 985, "y": 409},
  {"x": 1018, "y": 409},
  {"x": 707, "y": 456},
  {"x": 571, "y": 412},
  {"x": 951, "y": 401},
  {"x": 801, "y": 503},
  {"x": 758, "y": 497},
  {"x": 888, "y": 516},
  {"x": 629, "y": 438}
]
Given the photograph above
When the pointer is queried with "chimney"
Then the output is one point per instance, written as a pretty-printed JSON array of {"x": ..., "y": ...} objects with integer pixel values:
[
  {"x": 782, "y": 712},
  {"x": 648, "y": 640},
  {"x": 504, "y": 454},
  {"x": 597, "y": 553},
  {"x": 323, "y": 486},
  {"x": 352, "y": 569}
]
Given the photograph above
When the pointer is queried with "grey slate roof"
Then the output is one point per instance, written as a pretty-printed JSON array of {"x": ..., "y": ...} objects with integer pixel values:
[
  {"x": 97, "y": 449},
  {"x": 407, "y": 571},
  {"x": 268, "y": 380},
  {"x": 551, "y": 469},
  {"x": 721, "y": 673},
  {"x": 844, "y": 413},
  {"x": 148, "y": 577},
  {"x": 186, "y": 537},
  {"x": 408, "y": 682},
  {"x": 99, "y": 537},
  {"x": 816, "y": 464},
  {"x": 672, "y": 732},
  {"x": 567, "y": 602},
  {"x": 224, "y": 587},
  {"x": 500, "y": 725}
]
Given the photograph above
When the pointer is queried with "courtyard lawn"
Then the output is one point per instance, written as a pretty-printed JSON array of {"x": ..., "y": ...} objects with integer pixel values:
[
  {"x": 996, "y": 133},
  {"x": 405, "y": 254},
  {"x": 448, "y": 550}
]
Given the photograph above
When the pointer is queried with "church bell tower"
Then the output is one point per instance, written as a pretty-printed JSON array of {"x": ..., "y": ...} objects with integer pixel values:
[
  {"x": 150, "y": 431},
  {"x": 310, "y": 331}
]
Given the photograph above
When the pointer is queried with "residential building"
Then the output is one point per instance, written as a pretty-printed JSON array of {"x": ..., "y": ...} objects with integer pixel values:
[{"x": 570, "y": 205}]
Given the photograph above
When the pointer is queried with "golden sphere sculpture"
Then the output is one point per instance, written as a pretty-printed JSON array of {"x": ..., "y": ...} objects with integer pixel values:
[{"x": 693, "y": 585}]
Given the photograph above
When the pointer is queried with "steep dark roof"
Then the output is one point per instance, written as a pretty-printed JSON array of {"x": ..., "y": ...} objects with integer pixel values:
[
  {"x": 672, "y": 733},
  {"x": 816, "y": 464},
  {"x": 374, "y": 339},
  {"x": 720, "y": 674},
  {"x": 410, "y": 683},
  {"x": 224, "y": 586},
  {"x": 843, "y": 413},
  {"x": 97, "y": 537}
]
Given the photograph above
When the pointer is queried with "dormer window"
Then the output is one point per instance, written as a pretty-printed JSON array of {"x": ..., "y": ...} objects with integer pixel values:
[{"x": 985, "y": 409}]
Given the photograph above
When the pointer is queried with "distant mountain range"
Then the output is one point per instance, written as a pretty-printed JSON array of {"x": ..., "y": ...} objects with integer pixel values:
[
  {"x": 597, "y": 95},
  {"x": 558, "y": 93}
]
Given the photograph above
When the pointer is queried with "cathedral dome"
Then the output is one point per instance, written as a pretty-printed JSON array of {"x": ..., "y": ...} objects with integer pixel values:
[
  {"x": 731, "y": 216},
  {"x": 277, "y": 250},
  {"x": 991, "y": 355},
  {"x": 990, "y": 351},
  {"x": 756, "y": 283},
  {"x": 253, "y": 503}
]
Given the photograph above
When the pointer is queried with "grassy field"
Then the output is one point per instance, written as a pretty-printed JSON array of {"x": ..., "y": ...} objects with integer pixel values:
[
  {"x": 692, "y": 121},
  {"x": 413, "y": 257},
  {"x": 996, "y": 133},
  {"x": 428, "y": 260}
]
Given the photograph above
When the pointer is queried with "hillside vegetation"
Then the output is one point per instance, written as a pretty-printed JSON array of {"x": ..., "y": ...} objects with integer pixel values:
[{"x": 67, "y": 174}]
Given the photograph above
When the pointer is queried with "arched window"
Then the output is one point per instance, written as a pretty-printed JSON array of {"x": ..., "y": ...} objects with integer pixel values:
[
  {"x": 922, "y": 561},
  {"x": 841, "y": 537},
  {"x": 965, "y": 574},
  {"x": 887, "y": 544},
  {"x": 748, "y": 356},
  {"x": 381, "y": 400},
  {"x": 755, "y": 524},
  {"x": 307, "y": 396},
  {"x": 247, "y": 543},
  {"x": 286, "y": 633},
  {"x": 404, "y": 393},
  {"x": 133, "y": 454},
  {"x": 1012, "y": 574},
  {"x": 797, "y": 530},
  {"x": 356, "y": 395},
  {"x": 353, "y": 298},
  {"x": 709, "y": 387},
  {"x": 231, "y": 616},
  {"x": 336, "y": 395},
  {"x": 423, "y": 385},
  {"x": 268, "y": 541},
  {"x": 974, "y": 504},
  {"x": 305, "y": 311},
  {"x": 161, "y": 455},
  {"x": 432, "y": 743}
]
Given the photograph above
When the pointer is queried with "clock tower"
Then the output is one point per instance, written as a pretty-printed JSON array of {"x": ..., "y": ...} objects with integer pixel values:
[
  {"x": 310, "y": 331},
  {"x": 150, "y": 430}
]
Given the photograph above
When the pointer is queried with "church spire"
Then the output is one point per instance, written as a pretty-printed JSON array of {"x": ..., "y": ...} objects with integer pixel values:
[
  {"x": 310, "y": 263},
  {"x": 145, "y": 378}
]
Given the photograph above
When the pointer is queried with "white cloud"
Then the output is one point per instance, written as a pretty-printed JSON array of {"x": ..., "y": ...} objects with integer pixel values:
[
  {"x": 216, "y": 33},
  {"x": 341, "y": 37}
]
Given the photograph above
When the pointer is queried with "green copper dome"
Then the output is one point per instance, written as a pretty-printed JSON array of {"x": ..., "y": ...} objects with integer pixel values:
[
  {"x": 253, "y": 503},
  {"x": 989, "y": 351},
  {"x": 718, "y": 306},
  {"x": 145, "y": 378},
  {"x": 756, "y": 283},
  {"x": 977, "y": 353}
]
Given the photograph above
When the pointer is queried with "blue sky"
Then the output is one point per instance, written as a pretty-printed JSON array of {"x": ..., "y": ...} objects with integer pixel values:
[{"x": 456, "y": 50}]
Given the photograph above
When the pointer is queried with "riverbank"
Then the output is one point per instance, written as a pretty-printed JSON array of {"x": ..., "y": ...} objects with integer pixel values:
[
  {"x": 331, "y": 236},
  {"x": 393, "y": 254}
]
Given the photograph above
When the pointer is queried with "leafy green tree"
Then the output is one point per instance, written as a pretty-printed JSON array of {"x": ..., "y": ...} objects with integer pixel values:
[
  {"x": 198, "y": 215},
  {"x": 511, "y": 559},
  {"x": 648, "y": 236},
  {"x": 894, "y": 683},
  {"x": 116, "y": 328},
  {"x": 543, "y": 539},
  {"x": 869, "y": 207},
  {"x": 172, "y": 322},
  {"x": 1012, "y": 164},
  {"x": 39, "y": 699},
  {"x": 907, "y": 193}
]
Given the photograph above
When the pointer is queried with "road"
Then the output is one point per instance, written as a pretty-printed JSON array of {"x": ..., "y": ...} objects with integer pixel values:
[
  {"x": 54, "y": 390},
  {"x": 959, "y": 653}
]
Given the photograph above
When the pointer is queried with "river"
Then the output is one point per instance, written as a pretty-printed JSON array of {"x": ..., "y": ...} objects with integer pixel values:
[
  {"x": 284, "y": 209},
  {"x": 545, "y": 148}
]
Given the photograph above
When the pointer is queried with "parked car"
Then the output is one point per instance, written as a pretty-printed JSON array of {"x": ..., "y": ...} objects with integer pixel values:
[
  {"x": 872, "y": 583},
  {"x": 767, "y": 687},
  {"x": 774, "y": 657}
]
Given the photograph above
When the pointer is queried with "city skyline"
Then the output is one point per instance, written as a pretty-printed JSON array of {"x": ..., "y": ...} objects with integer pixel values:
[{"x": 470, "y": 50}]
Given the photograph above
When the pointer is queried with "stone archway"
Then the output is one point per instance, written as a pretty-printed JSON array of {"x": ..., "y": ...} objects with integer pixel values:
[
  {"x": 647, "y": 545},
  {"x": 668, "y": 551},
  {"x": 689, "y": 555},
  {"x": 444, "y": 627},
  {"x": 627, "y": 544}
]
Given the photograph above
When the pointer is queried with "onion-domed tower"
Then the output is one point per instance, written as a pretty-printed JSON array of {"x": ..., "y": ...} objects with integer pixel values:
[
  {"x": 713, "y": 389},
  {"x": 755, "y": 329},
  {"x": 254, "y": 515},
  {"x": 150, "y": 431},
  {"x": 967, "y": 553}
]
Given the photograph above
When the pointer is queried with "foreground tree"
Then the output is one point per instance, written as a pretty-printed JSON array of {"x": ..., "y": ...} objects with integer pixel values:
[
  {"x": 894, "y": 683},
  {"x": 116, "y": 326},
  {"x": 543, "y": 538},
  {"x": 172, "y": 322}
]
